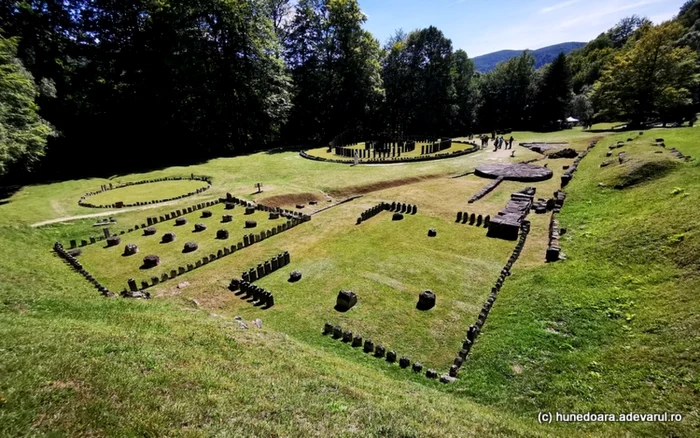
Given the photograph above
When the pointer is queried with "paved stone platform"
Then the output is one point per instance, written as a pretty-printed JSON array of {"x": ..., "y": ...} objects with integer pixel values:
[{"x": 514, "y": 172}]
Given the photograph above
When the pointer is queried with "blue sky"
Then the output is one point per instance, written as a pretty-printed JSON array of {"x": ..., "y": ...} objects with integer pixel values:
[{"x": 483, "y": 26}]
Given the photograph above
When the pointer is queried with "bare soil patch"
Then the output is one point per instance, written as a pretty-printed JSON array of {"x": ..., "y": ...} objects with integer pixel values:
[{"x": 382, "y": 185}]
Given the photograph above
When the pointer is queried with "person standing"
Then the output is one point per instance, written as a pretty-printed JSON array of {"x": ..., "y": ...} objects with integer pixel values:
[{"x": 510, "y": 142}]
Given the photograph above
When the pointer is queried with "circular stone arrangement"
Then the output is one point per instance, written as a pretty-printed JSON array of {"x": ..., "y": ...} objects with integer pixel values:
[
  {"x": 141, "y": 199},
  {"x": 514, "y": 172},
  {"x": 458, "y": 148}
]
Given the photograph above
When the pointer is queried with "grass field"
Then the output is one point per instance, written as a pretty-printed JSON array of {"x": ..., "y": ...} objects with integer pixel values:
[
  {"x": 112, "y": 268},
  {"x": 614, "y": 328},
  {"x": 146, "y": 192}
]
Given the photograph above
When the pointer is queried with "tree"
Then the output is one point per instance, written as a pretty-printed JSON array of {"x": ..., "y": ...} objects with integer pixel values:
[
  {"x": 418, "y": 74},
  {"x": 465, "y": 93},
  {"x": 23, "y": 134},
  {"x": 582, "y": 108},
  {"x": 506, "y": 94},
  {"x": 689, "y": 13},
  {"x": 654, "y": 77},
  {"x": 552, "y": 99},
  {"x": 336, "y": 67}
]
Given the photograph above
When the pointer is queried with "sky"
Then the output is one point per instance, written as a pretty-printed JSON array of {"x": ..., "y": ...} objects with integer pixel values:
[{"x": 484, "y": 26}]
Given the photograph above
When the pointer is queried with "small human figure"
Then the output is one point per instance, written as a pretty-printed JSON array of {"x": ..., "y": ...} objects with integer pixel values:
[{"x": 510, "y": 142}]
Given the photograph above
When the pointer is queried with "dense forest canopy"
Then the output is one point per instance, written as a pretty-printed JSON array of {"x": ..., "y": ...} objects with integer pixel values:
[{"x": 110, "y": 86}]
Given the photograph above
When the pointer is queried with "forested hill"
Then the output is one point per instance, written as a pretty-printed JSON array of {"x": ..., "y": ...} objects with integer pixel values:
[{"x": 543, "y": 56}]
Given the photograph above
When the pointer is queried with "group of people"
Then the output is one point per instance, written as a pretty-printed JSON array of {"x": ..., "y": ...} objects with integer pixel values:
[{"x": 499, "y": 142}]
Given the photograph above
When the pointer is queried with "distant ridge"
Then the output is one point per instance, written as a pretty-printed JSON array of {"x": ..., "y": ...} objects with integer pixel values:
[{"x": 545, "y": 55}]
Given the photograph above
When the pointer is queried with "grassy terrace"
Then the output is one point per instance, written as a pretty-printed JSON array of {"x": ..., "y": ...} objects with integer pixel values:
[
  {"x": 146, "y": 192},
  {"x": 112, "y": 268},
  {"x": 614, "y": 328}
]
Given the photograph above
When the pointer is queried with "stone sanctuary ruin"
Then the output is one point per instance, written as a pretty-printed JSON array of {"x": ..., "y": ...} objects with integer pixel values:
[
  {"x": 370, "y": 148},
  {"x": 215, "y": 225}
]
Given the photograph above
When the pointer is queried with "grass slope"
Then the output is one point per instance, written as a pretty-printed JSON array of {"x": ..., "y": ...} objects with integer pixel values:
[
  {"x": 615, "y": 327},
  {"x": 612, "y": 329}
]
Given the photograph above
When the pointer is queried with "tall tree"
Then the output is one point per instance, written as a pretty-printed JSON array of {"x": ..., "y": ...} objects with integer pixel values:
[
  {"x": 552, "y": 100},
  {"x": 654, "y": 77},
  {"x": 465, "y": 93},
  {"x": 506, "y": 94},
  {"x": 23, "y": 133},
  {"x": 418, "y": 74},
  {"x": 336, "y": 69}
]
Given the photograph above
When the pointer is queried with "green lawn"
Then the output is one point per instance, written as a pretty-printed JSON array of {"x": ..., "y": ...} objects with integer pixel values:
[
  {"x": 112, "y": 268},
  {"x": 146, "y": 192},
  {"x": 614, "y": 328},
  {"x": 388, "y": 263}
]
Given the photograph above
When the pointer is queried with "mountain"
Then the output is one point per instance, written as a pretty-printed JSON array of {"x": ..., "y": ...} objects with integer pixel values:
[{"x": 486, "y": 63}]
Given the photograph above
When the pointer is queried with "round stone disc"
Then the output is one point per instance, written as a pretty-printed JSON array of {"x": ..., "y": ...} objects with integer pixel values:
[{"x": 514, "y": 172}]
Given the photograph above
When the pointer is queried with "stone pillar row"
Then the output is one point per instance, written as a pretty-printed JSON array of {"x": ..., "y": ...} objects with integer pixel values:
[
  {"x": 385, "y": 206},
  {"x": 475, "y": 329},
  {"x": 378, "y": 350},
  {"x": 245, "y": 288},
  {"x": 78, "y": 267},
  {"x": 473, "y": 219}
]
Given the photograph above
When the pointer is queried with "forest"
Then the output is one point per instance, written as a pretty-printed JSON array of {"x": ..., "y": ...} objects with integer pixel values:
[{"x": 106, "y": 86}]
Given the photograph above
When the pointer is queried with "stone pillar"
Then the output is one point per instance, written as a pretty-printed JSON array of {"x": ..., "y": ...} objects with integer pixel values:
[{"x": 132, "y": 285}]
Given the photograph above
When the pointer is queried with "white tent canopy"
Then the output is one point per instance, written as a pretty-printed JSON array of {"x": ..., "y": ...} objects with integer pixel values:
[{"x": 571, "y": 120}]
